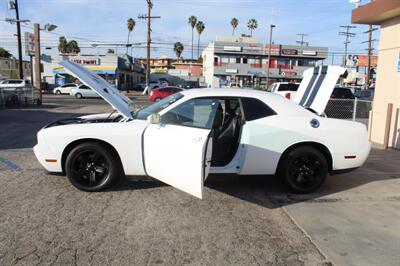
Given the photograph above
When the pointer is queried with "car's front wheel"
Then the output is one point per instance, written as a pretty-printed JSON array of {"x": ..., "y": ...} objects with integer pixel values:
[
  {"x": 92, "y": 167},
  {"x": 78, "y": 96},
  {"x": 58, "y": 92},
  {"x": 303, "y": 169}
]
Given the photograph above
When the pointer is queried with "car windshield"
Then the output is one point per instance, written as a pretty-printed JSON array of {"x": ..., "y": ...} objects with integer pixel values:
[
  {"x": 288, "y": 87},
  {"x": 156, "y": 107}
]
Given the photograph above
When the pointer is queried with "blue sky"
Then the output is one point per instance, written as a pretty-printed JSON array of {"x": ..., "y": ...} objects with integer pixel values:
[{"x": 104, "y": 21}]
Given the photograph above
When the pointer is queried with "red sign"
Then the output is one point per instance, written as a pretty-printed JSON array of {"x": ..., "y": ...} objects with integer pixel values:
[
  {"x": 288, "y": 73},
  {"x": 275, "y": 49},
  {"x": 289, "y": 51}
]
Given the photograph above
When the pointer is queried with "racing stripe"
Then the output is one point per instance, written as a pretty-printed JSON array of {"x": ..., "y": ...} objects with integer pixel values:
[
  {"x": 317, "y": 86},
  {"x": 310, "y": 85}
]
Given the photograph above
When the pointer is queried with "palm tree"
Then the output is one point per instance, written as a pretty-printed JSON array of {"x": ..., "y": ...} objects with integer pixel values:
[
  {"x": 131, "y": 23},
  {"x": 192, "y": 23},
  {"x": 200, "y": 28},
  {"x": 234, "y": 24},
  {"x": 252, "y": 25},
  {"x": 178, "y": 49}
]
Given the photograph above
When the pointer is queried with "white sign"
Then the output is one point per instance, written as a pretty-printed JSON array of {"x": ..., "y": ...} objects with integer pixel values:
[
  {"x": 233, "y": 48},
  {"x": 231, "y": 70},
  {"x": 309, "y": 52}
]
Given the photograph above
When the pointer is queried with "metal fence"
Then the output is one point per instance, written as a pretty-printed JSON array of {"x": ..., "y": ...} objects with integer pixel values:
[
  {"x": 351, "y": 109},
  {"x": 16, "y": 97}
]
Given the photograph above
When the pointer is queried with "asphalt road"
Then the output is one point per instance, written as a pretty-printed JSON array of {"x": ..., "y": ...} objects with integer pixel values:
[{"x": 44, "y": 220}]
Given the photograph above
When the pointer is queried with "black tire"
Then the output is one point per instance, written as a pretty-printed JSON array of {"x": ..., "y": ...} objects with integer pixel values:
[
  {"x": 58, "y": 92},
  {"x": 303, "y": 169},
  {"x": 78, "y": 96},
  {"x": 92, "y": 167}
]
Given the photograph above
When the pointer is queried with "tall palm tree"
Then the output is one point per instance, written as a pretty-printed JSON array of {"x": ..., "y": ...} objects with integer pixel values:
[
  {"x": 178, "y": 49},
  {"x": 200, "y": 28},
  {"x": 192, "y": 23},
  {"x": 131, "y": 23},
  {"x": 234, "y": 24},
  {"x": 252, "y": 25}
]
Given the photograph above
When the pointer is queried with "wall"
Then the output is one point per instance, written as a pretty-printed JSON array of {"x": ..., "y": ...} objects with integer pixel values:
[{"x": 387, "y": 84}]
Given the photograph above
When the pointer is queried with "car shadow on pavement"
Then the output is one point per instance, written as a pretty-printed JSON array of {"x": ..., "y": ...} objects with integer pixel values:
[{"x": 18, "y": 127}]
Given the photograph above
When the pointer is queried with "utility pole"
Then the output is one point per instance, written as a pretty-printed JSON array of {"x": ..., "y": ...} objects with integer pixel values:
[
  {"x": 38, "y": 79},
  {"x": 369, "y": 49},
  {"x": 272, "y": 26},
  {"x": 347, "y": 35},
  {"x": 20, "y": 63},
  {"x": 302, "y": 42},
  {"x": 148, "y": 18}
]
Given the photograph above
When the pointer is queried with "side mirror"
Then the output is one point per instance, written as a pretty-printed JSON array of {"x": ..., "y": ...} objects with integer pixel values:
[{"x": 154, "y": 118}]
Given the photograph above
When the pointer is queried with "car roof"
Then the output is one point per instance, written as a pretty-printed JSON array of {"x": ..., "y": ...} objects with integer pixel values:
[{"x": 277, "y": 102}]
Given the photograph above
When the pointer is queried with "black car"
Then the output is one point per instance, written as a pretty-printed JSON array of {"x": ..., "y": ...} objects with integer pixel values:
[{"x": 341, "y": 103}]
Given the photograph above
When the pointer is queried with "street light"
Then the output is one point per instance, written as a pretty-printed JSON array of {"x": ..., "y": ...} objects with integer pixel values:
[
  {"x": 38, "y": 78},
  {"x": 272, "y": 26}
]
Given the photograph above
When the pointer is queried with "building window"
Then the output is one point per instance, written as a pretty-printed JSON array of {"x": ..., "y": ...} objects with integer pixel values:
[
  {"x": 224, "y": 59},
  {"x": 215, "y": 59},
  {"x": 244, "y": 60},
  {"x": 237, "y": 60},
  {"x": 232, "y": 59}
]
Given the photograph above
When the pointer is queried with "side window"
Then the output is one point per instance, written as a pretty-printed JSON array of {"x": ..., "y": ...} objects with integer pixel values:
[
  {"x": 255, "y": 109},
  {"x": 193, "y": 113}
]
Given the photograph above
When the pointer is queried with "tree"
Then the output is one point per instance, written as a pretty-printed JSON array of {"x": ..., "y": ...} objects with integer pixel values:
[
  {"x": 192, "y": 23},
  {"x": 62, "y": 45},
  {"x": 73, "y": 47},
  {"x": 131, "y": 23},
  {"x": 252, "y": 25},
  {"x": 4, "y": 53},
  {"x": 200, "y": 28},
  {"x": 178, "y": 49},
  {"x": 234, "y": 24}
]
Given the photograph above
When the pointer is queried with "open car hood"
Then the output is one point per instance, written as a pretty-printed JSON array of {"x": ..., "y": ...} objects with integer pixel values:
[
  {"x": 317, "y": 86},
  {"x": 116, "y": 99}
]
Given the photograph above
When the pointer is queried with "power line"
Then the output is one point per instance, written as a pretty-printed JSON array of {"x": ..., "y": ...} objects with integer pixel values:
[
  {"x": 347, "y": 35},
  {"x": 302, "y": 42},
  {"x": 369, "y": 50}
]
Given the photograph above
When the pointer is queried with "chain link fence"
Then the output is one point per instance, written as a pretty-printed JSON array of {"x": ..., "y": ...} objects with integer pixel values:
[
  {"x": 351, "y": 109},
  {"x": 16, "y": 97}
]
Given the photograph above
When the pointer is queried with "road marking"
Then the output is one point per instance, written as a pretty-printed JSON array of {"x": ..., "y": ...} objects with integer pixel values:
[{"x": 10, "y": 164}]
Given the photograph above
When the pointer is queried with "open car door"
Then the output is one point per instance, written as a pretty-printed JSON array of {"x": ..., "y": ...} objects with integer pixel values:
[
  {"x": 317, "y": 86},
  {"x": 178, "y": 149}
]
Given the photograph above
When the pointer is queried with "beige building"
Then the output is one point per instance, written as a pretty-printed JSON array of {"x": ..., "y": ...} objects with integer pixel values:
[
  {"x": 385, "y": 13},
  {"x": 9, "y": 68}
]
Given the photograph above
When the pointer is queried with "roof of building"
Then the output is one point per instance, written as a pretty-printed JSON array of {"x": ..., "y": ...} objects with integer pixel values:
[{"x": 376, "y": 12}]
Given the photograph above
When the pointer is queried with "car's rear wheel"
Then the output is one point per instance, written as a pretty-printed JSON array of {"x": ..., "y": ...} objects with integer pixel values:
[
  {"x": 78, "y": 96},
  {"x": 303, "y": 169},
  {"x": 58, "y": 92},
  {"x": 92, "y": 167}
]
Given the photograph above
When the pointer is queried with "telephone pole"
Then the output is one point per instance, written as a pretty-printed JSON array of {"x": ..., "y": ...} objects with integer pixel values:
[
  {"x": 369, "y": 49},
  {"x": 20, "y": 63},
  {"x": 148, "y": 18},
  {"x": 302, "y": 42},
  {"x": 347, "y": 35}
]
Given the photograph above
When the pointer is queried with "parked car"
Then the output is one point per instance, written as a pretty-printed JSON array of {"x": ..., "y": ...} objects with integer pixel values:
[
  {"x": 184, "y": 137},
  {"x": 65, "y": 89},
  {"x": 161, "y": 93},
  {"x": 341, "y": 103},
  {"x": 14, "y": 83},
  {"x": 83, "y": 91},
  {"x": 152, "y": 84},
  {"x": 286, "y": 89}
]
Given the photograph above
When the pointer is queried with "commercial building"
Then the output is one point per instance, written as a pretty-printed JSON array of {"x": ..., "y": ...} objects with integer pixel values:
[
  {"x": 9, "y": 68},
  {"x": 385, "y": 128},
  {"x": 244, "y": 60},
  {"x": 123, "y": 71}
]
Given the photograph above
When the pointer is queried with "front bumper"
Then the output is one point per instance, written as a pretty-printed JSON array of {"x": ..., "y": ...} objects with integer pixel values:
[{"x": 47, "y": 158}]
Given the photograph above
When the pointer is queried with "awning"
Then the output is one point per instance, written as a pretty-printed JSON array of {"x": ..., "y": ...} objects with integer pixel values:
[{"x": 96, "y": 69}]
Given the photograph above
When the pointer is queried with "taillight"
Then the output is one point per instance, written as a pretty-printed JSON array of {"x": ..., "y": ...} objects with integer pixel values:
[{"x": 287, "y": 95}]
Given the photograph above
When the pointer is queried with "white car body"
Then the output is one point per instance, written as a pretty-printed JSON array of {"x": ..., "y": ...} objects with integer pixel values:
[
  {"x": 282, "y": 88},
  {"x": 83, "y": 91},
  {"x": 65, "y": 89},
  {"x": 13, "y": 84},
  {"x": 180, "y": 155}
]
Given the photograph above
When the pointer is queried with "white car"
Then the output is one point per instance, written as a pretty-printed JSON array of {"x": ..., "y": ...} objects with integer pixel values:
[
  {"x": 14, "y": 84},
  {"x": 65, "y": 89},
  {"x": 83, "y": 91},
  {"x": 183, "y": 138},
  {"x": 286, "y": 89}
]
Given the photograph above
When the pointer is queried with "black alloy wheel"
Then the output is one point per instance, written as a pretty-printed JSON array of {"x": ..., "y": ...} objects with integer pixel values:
[
  {"x": 304, "y": 169},
  {"x": 92, "y": 167}
]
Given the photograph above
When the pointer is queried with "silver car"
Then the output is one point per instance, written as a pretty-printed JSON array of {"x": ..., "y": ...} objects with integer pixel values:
[{"x": 83, "y": 91}]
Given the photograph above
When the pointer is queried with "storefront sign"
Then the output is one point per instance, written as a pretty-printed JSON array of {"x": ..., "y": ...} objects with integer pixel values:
[
  {"x": 231, "y": 70},
  {"x": 29, "y": 44},
  {"x": 95, "y": 61},
  {"x": 233, "y": 48},
  {"x": 275, "y": 49},
  {"x": 289, "y": 51},
  {"x": 255, "y": 73},
  {"x": 288, "y": 73},
  {"x": 361, "y": 61},
  {"x": 253, "y": 48},
  {"x": 309, "y": 52}
]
